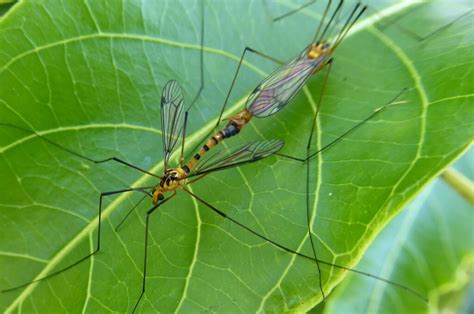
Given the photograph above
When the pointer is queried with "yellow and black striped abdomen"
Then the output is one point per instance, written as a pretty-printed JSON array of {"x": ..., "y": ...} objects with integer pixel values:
[
  {"x": 232, "y": 128},
  {"x": 213, "y": 141}
]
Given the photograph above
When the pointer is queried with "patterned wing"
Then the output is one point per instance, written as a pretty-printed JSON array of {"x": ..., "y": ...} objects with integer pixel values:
[
  {"x": 239, "y": 155},
  {"x": 276, "y": 90},
  {"x": 172, "y": 119}
]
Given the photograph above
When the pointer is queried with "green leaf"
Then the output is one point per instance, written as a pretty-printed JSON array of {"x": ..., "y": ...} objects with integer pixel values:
[
  {"x": 428, "y": 247},
  {"x": 89, "y": 75}
]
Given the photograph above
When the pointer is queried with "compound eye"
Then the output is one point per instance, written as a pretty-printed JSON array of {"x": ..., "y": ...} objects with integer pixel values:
[{"x": 161, "y": 197}]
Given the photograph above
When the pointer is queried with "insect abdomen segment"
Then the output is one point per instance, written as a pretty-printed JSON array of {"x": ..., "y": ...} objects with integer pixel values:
[
  {"x": 213, "y": 141},
  {"x": 232, "y": 128}
]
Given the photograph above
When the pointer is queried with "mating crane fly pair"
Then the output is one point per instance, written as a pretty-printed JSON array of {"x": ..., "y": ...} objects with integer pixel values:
[
  {"x": 172, "y": 107},
  {"x": 268, "y": 98}
]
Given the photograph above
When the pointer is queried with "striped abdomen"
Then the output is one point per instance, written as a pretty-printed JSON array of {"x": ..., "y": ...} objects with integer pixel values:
[{"x": 232, "y": 128}]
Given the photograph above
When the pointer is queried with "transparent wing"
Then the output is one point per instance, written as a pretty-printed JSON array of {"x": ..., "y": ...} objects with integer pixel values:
[
  {"x": 238, "y": 155},
  {"x": 282, "y": 85},
  {"x": 172, "y": 118}
]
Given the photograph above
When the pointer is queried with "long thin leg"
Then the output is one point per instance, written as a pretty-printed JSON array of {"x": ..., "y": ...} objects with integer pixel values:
[
  {"x": 349, "y": 24},
  {"x": 127, "y": 164},
  {"x": 320, "y": 102},
  {"x": 340, "y": 137},
  {"x": 183, "y": 139},
  {"x": 289, "y": 13},
  {"x": 376, "y": 112},
  {"x": 308, "y": 150},
  {"x": 309, "y": 228},
  {"x": 201, "y": 59},
  {"x": 288, "y": 250},
  {"x": 234, "y": 79},
  {"x": 201, "y": 87},
  {"x": 96, "y": 161},
  {"x": 223, "y": 215},
  {"x": 394, "y": 20},
  {"x": 323, "y": 18},
  {"x": 313, "y": 123},
  {"x": 318, "y": 35},
  {"x": 442, "y": 28},
  {"x": 328, "y": 25},
  {"x": 131, "y": 210},
  {"x": 197, "y": 179},
  {"x": 148, "y": 213},
  {"x": 309, "y": 155},
  {"x": 414, "y": 34},
  {"x": 102, "y": 195}
]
